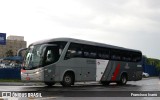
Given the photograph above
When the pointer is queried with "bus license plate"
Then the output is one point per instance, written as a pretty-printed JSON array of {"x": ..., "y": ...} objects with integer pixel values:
[{"x": 27, "y": 78}]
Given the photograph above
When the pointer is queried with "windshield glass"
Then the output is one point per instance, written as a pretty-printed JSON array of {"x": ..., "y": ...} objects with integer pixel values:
[{"x": 32, "y": 57}]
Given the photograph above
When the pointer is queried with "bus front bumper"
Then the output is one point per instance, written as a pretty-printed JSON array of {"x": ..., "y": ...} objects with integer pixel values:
[{"x": 32, "y": 75}]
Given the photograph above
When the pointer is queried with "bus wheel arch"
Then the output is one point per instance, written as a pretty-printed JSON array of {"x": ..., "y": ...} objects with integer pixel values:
[
  {"x": 123, "y": 78},
  {"x": 68, "y": 78}
]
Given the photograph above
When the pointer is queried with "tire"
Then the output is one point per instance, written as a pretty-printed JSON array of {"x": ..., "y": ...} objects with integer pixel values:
[
  {"x": 68, "y": 80},
  {"x": 49, "y": 83},
  {"x": 123, "y": 80},
  {"x": 105, "y": 83}
]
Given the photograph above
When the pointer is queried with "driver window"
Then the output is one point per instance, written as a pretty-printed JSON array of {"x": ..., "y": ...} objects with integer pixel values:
[{"x": 50, "y": 55}]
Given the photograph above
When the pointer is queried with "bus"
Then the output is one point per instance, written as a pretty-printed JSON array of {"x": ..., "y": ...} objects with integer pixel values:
[{"x": 69, "y": 60}]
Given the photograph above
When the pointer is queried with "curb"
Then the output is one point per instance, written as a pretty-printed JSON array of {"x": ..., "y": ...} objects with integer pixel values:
[{"x": 19, "y": 84}]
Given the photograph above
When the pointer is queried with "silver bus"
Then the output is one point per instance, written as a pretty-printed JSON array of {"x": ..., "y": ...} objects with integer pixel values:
[{"x": 68, "y": 60}]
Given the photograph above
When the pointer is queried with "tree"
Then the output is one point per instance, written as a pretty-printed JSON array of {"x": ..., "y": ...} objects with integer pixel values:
[
  {"x": 9, "y": 53},
  {"x": 155, "y": 62}
]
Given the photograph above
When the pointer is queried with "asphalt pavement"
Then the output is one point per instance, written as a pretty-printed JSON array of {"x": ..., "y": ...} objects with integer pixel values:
[{"x": 145, "y": 89}]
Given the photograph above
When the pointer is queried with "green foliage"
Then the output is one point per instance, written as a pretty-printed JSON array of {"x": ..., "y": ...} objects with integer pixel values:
[
  {"x": 9, "y": 53},
  {"x": 155, "y": 62},
  {"x": 10, "y": 80}
]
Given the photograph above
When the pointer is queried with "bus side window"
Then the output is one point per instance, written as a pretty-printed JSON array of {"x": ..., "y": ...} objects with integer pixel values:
[
  {"x": 61, "y": 45},
  {"x": 93, "y": 55},
  {"x": 48, "y": 58},
  {"x": 73, "y": 51},
  {"x": 51, "y": 55},
  {"x": 116, "y": 54},
  {"x": 93, "y": 52},
  {"x": 79, "y": 53},
  {"x": 86, "y": 54},
  {"x": 126, "y": 56},
  {"x": 60, "y": 50},
  {"x": 136, "y": 57},
  {"x": 89, "y": 51},
  {"x": 103, "y": 53}
]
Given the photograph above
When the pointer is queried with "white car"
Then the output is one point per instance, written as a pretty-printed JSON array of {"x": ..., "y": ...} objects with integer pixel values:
[{"x": 145, "y": 75}]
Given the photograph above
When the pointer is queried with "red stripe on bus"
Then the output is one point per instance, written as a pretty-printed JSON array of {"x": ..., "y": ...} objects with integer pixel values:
[
  {"x": 116, "y": 72},
  {"x": 22, "y": 70}
]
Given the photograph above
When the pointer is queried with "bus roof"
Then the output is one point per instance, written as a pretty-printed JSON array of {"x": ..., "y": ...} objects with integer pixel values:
[{"x": 82, "y": 42}]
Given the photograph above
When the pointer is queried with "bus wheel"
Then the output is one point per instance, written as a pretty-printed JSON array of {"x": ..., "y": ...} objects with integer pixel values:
[
  {"x": 49, "y": 83},
  {"x": 123, "y": 79},
  {"x": 68, "y": 80},
  {"x": 105, "y": 83}
]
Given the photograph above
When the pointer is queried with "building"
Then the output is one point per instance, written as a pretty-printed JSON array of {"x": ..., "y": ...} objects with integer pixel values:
[
  {"x": 13, "y": 44},
  {"x": 13, "y": 37}
]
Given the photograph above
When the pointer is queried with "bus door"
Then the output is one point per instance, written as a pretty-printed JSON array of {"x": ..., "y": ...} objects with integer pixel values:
[{"x": 50, "y": 56}]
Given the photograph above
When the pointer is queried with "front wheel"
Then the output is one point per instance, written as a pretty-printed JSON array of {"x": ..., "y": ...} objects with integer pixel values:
[
  {"x": 123, "y": 80},
  {"x": 68, "y": 80}
]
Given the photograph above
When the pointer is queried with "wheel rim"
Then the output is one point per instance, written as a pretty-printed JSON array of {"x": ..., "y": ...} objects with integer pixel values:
[{"x": 67, "y": 79}]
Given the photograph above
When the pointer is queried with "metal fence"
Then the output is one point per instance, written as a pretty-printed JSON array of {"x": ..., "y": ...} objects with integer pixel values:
[
  {"x": 151, "y": 70},
  {"x": 14, "y": 73},
  {"x": 10, "y": 73}
]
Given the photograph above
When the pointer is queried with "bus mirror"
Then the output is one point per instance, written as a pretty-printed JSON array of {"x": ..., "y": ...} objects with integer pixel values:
[{"x": 20, "y": 50}]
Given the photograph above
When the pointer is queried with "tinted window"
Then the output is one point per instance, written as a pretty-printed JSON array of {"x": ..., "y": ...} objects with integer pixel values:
[
  {"x": 60, "y": 46},
  {"x": 74, "y": 50},
  {"x": 80, "y": 50},
  {"x": 116, "y": 54},
  {"x": 136, "y": 57},
  {"x": 103, "y": 53},
  {"x": 126, "y": 56},
  {"x": 95, "y": 52},
  {"x": 89, "y": 51},
  {"x": 51, "y": 55}
]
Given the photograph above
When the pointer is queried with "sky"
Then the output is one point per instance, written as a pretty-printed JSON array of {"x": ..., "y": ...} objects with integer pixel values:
[{"x": 131, "y": 24}]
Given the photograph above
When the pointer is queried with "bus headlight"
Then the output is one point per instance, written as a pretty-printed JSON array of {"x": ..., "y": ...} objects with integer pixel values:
[{"x": 37, "y": 72}]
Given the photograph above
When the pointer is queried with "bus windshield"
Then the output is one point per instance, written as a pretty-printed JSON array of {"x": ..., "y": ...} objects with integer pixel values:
[{"x": 33, "y": 57}]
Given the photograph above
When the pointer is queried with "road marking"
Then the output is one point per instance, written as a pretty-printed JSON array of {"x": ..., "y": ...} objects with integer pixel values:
[
  {"x": 30, "y": 98},
  {"x": 45, "y": 98},
  {"x": 9, "y": 98}
]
